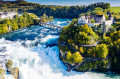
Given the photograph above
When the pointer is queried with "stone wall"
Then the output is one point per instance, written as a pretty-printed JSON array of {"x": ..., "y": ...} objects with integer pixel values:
[
  {"x": 92, "y": 24},
  {"x": 108, "y": 22}
]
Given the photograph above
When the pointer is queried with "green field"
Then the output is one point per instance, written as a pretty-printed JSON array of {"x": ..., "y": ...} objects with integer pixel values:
[{"x": 115, "y": 9}]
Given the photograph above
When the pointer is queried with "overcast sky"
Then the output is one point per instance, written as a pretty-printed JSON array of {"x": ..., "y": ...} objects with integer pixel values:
[{"x": 74, "y": 2}]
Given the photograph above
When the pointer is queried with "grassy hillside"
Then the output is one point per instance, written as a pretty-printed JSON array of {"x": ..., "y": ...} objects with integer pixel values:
[{"x": 115, "y": 9}]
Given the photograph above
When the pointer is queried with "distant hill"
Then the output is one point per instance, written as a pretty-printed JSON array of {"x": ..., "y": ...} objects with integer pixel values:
[
  {"x": 50, "y": 10},
  {"x": 115, "y": 9}
]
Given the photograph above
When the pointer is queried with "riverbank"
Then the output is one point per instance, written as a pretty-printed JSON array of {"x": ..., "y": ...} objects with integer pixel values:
[
  {"x": 9, "y": 26},
  {"x": 83, "y": 49},
  {"x": 81, "y": 67},
  {"x": 18, "y": 22}
]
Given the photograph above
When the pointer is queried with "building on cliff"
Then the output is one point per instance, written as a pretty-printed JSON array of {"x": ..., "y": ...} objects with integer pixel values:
[{"x": 98, "y": 20}]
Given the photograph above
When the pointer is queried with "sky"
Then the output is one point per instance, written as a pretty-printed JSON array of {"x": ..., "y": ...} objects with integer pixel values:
[{"x": 74, "y": 2}]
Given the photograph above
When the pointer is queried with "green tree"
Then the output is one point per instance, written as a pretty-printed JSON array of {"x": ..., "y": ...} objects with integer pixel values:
[
  {"x": 69, "y": 57},
  {"x": 112, "y": 30},
  {"x": 20, "y": 0},
  {"x": 117, "y": 45},
  {"x": 102, "y": 50},
  {"x": 44, "y": 16},
  {"x": 43, "y": 20},
  {"x": 92, "y": 21},
  {"x": 98, "y": 11},
  {"x": 89, "y": 52},
  {"x": 81, "y": 50},
  {"x": 85, "y": 28},
  {"x": 115, "y": 36},
  {"x": 50, "y": 18},
  {"x": 107, "y": 40},
  {"x": 77, "y": 58}
]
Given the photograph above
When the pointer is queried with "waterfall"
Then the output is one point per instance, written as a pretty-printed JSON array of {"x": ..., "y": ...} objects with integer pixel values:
[
  {"x": 42, "y": 62},
  {"x": 9, "y": 76},
  {"x": 28, "y": 51}
]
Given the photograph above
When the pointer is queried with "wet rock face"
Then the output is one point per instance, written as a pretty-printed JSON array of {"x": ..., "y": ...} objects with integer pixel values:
[
  {"x": 15, "y": 72},
  {"x": 89, "y": 64},
  {"x": 9, "y": 65},
  {"x": 2, "y": 73},
  {"x": 94, "y": 65},
  {"x": 12, "y": 70}
]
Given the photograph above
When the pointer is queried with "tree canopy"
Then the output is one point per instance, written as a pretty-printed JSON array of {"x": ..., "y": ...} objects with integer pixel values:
[
  {"x": 102, "y": 50},
  {"x": 55, "y": 11},
  {"x": 77, "y": 58},
  {"x": 7, "y": 25}
]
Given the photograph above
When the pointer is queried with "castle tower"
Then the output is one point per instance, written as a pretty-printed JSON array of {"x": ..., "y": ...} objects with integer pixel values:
[{"x": 104, "y": 27}]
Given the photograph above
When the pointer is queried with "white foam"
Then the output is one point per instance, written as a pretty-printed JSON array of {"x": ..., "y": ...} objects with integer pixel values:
[
  {"x": 43, "y": 63},
  {"x": 58, "y": 22},
  {"x": 48, "y": 37},
  {"x": 8, "y": 76}
]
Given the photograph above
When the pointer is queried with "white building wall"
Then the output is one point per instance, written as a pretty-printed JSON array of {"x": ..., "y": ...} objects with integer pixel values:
[
  {"x": 108, "y": 22},
  {"x": 104, "y": 18},
  {"x": 92, "y": 24},
  {"x": 82, "y": 20}
]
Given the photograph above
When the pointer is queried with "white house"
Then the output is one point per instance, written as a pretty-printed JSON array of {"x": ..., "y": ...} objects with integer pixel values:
[{"x": 83, "y": 20}]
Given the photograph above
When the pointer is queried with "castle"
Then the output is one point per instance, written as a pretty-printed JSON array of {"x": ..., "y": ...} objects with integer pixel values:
[{"x": 99, "y": 19}]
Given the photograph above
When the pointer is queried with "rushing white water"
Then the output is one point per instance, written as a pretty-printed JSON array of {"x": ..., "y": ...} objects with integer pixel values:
[
  {"x": 49, "y": 37},
  {"x": 9, "y": 76},
  {"x": 36, "y": 61},
  {"x": 43, "y": 62}
]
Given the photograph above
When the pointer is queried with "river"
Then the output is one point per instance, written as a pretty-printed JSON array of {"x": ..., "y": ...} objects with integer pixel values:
[{"x": 31, "y": 50}]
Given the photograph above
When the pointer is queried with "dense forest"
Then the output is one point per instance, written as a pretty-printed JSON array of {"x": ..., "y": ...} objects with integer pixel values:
[
  {"x": 104, "y": 57},
  {"x": 50, "y": 10},
  {"x": 8, "y": 25},
  {"x": 46, "y": 18}
]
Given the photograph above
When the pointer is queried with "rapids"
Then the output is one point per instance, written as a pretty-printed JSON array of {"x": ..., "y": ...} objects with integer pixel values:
[{"x": 29, "y": 50}]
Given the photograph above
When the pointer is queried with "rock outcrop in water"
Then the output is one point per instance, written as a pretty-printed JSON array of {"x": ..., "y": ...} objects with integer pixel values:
[
  {"x": 15, "y": 72},
  {"x": 2, "y": 73},
  {"x": 12, "y": 70}
]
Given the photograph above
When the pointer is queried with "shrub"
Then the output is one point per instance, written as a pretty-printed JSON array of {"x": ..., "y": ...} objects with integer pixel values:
[
  {"x": 81, "y": 50},
  {"x": 102, "y": 50},
  {"x": 69, "y": 57},
  {"x": 92, "y": 21},
  {"x": 77, "y": 58}
]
